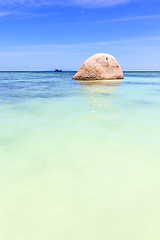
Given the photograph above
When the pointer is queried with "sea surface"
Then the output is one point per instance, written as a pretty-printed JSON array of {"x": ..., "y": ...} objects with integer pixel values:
[{"x": 79, "y": 160}]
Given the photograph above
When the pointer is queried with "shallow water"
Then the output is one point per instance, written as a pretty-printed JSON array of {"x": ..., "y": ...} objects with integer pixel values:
[{"x": 79, "y": 160}]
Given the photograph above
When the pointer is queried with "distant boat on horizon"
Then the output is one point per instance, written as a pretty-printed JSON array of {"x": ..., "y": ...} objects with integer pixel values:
[{"x": 57, "y": 70}]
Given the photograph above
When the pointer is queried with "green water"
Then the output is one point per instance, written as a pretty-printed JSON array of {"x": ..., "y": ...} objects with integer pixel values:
[{"x": 79, "y": 160}]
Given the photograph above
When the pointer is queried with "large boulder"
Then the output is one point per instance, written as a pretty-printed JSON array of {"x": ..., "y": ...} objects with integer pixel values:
[{"x": 100, "y": 66}]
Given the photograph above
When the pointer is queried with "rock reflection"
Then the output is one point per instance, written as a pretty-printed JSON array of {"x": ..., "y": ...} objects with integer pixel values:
[
  {"x": 100, "y": 82},
  {"x": 100, "y": 97}
]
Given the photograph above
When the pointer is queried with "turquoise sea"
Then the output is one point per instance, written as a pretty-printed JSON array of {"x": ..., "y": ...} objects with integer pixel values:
[{"x": 79, "y": 160}]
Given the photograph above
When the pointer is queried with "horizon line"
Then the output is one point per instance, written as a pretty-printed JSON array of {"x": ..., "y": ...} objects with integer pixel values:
[{"x": 72, "y": 71}]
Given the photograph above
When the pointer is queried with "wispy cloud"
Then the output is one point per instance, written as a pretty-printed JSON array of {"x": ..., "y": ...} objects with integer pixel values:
[
  {"x": 115, "y": 20},
  {"x": 83, "y": 3},
  {"x": 93, "y": 44},
  {"x": 3, "y": 14},
  {"x": 98, "y": 3},
  {"x": 55, "y": 49},
  {"x": 26, "y": 53}
]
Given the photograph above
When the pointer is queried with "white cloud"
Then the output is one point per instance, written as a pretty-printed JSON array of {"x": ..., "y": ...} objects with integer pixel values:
[{"x": 84, "y": 3}]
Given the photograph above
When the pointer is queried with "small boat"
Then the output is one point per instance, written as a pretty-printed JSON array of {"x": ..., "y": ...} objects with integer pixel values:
[{"x": 57, "y": 70}]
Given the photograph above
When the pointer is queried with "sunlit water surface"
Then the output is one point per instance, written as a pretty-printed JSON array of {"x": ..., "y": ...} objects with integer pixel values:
[{"x": 79, "y": 160}]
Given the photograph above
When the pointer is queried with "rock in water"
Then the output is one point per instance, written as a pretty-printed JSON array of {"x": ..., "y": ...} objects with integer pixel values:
[{"x": 100, "y": 66}]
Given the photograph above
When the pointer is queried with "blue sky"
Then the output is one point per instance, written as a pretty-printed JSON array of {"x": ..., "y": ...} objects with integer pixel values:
[{"x": 48, "y": 34}]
